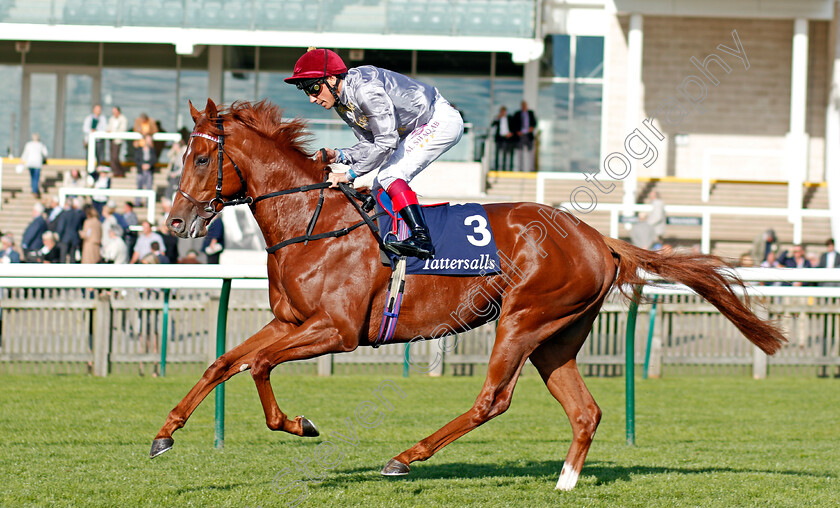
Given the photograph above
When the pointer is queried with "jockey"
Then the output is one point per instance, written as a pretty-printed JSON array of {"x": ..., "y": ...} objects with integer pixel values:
[{"x": 402, "y": 126}]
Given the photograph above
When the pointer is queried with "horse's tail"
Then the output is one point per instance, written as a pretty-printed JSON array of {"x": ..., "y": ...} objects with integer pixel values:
[{"x": 707, "y": 276}]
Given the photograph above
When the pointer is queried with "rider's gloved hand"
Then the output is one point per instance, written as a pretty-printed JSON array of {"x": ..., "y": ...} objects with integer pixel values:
[
  {"x": 332, "y": 155},
  {"x": 337, "y": 178}
]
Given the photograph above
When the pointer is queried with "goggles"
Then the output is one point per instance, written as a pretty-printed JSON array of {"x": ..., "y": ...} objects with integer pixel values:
[{"x": 311, "y": 86}]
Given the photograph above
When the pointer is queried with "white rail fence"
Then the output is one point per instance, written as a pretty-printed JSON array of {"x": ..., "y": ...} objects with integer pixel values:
[{"x": 118, "y": 319}]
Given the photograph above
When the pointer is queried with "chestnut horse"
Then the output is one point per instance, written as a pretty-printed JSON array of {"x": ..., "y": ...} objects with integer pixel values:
[{"x": 327, "y": 296}]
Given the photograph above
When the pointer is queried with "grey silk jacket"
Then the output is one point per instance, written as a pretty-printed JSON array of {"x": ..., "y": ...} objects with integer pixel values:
[{"x": 381, "y": 107}]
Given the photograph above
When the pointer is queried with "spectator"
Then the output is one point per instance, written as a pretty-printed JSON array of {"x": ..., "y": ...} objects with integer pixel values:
[
  {"x": 763, "y": 244},
  {"x": 829, "y": 259},
  {"x": 641, "y": 234},
  {"x": 190, "y": 259},
  {"x": 797, "y": 260},
  {"x": 156, "y": 250},
  {"x": 144, "y": 242},
  {"x": 503, "y": 138},
  {"x": 214, "y": 242},
  {"x": 73, "y": 179},
  {"x": 109, "y": 219},
  {"x": 95, "y": 122},
  {"x": 31, "y": 240},
  {"x": 130, "y": 219},
  {"x": 165, "y": 208},
  {"x": 117, "y": 123},
  {"x": 91, "y": 235},
  {"x": 770, "y": 262},
  {"x": 101, "y": 180},
  {"x": 657, "y": 219},
  {"x": 175, "y": 167},
  {"x": 170, "y": 241},
  {"x": 145, "y": 126},
  {"x": 34, "y": 156},
  {"x": 70, "y": 222},
  {"x": 115, "y": 250},
  {"x": 54, "y": 211},
  {"x": 8, "y": 253},
  {"x": 128, "y": 214},
  {"x": 49, "y": 252},
  {"x": 523, "y": 123},
  {"x": 145, "y": 158},
  {"x": 746, "y": 260}
]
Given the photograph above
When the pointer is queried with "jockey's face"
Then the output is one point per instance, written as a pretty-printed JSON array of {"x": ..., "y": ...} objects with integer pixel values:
[{"x": 325, "y": 98}]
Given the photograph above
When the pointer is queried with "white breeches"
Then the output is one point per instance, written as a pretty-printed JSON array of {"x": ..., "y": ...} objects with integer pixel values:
[{"x": 423, "y": 145}]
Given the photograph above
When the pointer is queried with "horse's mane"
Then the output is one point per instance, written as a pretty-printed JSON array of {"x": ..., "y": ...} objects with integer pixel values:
[{"x": 266, "y": 119}]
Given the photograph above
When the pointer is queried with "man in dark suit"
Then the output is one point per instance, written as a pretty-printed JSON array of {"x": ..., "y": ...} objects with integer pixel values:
[
  {"x": 69, "y": 224},
  {"x": 503, "y": 138},
  {"x": 829, "y": 259},
  {"x": 523, "y": 123},
  {"x": 31, "y": 241}
]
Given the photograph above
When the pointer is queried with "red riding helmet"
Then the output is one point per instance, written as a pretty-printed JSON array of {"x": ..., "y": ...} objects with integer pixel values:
[{"x": 317, "y": 63}]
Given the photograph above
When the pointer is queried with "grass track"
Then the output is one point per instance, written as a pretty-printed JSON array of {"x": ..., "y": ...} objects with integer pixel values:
[{"x": 81, "y": 441}]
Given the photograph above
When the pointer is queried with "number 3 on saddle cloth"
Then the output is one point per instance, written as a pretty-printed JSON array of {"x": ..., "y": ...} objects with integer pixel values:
[{"x": 464, "y": 246}]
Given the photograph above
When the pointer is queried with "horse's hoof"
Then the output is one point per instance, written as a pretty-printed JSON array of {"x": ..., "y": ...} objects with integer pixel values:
[
  {"x": 161, "y": 445},
  {"x": 309, "y": 428},
  {"x": 395, "y": 468}
]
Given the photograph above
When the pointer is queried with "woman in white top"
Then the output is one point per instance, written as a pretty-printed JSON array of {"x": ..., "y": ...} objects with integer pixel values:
[{"x": 34, "y": 155}]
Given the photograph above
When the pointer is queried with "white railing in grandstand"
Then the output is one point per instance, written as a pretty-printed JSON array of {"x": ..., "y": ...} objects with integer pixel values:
[
  {"x": 705, "y": 212},
  {"x": 148, "y": 195},
  {"x": 96, "y": 135}
]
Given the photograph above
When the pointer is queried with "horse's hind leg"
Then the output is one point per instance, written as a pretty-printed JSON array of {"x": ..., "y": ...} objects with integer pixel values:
[
  {"x": 508, "y": 356},
  {"x": 555, "y": 361},
  {"x": 229, "y": 364}
]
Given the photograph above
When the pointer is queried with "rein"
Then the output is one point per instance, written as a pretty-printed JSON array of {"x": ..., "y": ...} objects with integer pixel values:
[{"x": 208, "y": 209}]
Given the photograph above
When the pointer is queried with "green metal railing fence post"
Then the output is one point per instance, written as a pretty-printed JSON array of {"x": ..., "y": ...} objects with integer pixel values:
[
  {"x": 221, "y": 329},
  {"x": 406, "y": 354},
  {"x": 629, "y": 369},
  {"x": 164, "y": 334},
  {"x": 650, "y": 338}
]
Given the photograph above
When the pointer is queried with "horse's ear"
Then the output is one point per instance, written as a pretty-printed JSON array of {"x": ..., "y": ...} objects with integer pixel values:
[
  {"x": 210, "y": 110},
  {"x": 194, "y": 113}
]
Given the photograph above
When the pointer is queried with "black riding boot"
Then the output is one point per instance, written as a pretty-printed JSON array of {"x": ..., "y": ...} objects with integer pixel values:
[{"x": 419, "y": 244}]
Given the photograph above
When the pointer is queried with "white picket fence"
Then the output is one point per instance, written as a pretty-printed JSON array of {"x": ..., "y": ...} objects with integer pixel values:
[{"x": 47, "y": 319}]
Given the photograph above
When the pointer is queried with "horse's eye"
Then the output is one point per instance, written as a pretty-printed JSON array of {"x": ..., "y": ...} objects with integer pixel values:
[{"x": 202, "y": 160}]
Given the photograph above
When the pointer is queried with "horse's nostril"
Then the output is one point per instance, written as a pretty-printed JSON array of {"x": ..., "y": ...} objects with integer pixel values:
[{"x": 176, "y": 224}]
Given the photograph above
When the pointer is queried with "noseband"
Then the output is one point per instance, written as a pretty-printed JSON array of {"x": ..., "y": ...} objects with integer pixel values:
[{"x": 207, "y": 210}]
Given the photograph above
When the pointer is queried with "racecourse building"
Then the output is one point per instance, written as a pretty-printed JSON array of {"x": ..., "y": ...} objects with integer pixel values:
[{"x": 638, "y": 89}]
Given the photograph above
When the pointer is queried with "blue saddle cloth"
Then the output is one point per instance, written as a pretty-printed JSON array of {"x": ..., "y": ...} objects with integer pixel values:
[{"x": 464, "y": 243}]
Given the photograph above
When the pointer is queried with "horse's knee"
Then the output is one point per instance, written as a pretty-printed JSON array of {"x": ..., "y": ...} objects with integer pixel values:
[
  {"x": 261, "y": 367},
  {"x": 217, "y": 369},
  {"x": 491, "y": 406},
  {"x": 586, "y": 422}
]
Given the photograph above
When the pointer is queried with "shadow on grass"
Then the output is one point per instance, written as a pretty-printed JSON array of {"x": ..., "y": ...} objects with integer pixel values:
[{"x": 604, "y": 472}]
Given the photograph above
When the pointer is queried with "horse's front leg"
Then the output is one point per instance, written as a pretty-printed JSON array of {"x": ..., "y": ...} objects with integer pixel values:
[
  {"x": 229, "y": 364},
  {"x": 318, "y": 336}
]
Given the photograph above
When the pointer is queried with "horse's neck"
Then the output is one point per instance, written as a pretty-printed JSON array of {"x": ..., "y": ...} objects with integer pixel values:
[{"x": 284, "y": 217}]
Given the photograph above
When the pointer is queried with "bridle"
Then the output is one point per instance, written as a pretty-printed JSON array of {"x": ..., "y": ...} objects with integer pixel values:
[{"x": 207, "y": 210}]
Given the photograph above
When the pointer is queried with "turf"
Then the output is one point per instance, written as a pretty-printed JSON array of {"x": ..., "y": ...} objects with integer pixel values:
[{"x": 82, "y": 441}]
